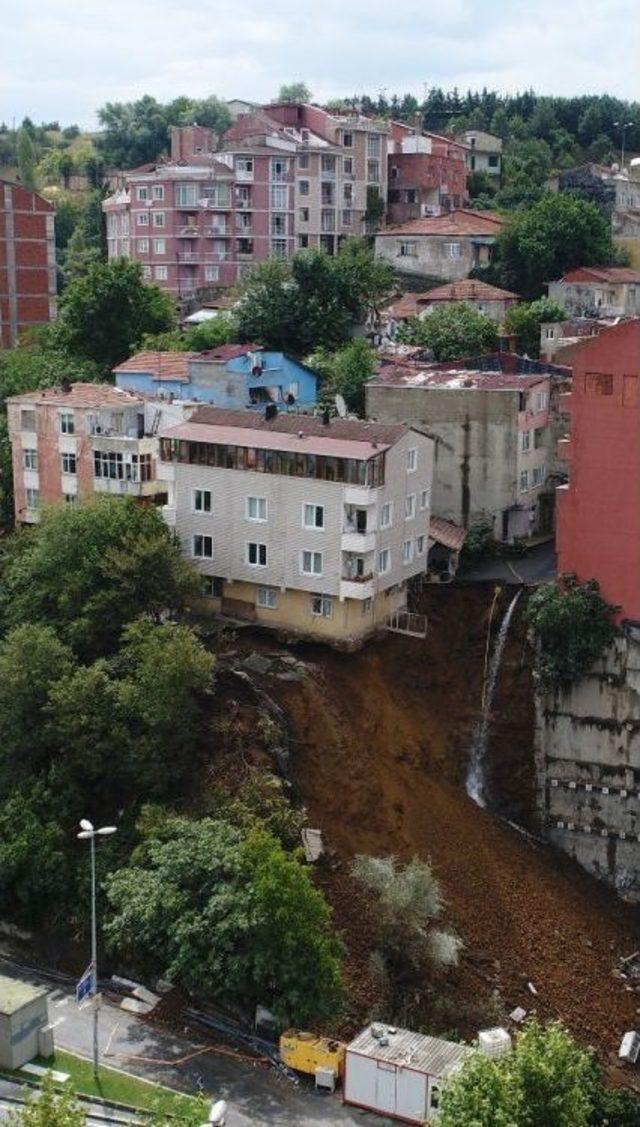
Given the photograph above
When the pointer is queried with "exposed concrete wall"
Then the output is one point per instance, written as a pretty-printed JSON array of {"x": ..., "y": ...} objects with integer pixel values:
[{"x": 588, "y": 768}]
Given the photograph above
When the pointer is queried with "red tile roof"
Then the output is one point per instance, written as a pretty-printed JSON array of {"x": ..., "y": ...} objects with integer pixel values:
[
  {"x": 160, "y": 365},
  {"x": 611, "y": 274},
  {"x": 311, "y": 425},
  {"x": 466, "y": 290},
  {"x": 81, "y": 395},
  {"x": 447, "y": 533},
  {"x": 226, "y": 352},
  {"x": 461, "y": 222}
]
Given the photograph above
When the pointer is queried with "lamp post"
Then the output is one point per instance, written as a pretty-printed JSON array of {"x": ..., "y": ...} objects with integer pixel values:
[
  {"x": 87, "y": 832},
  {"x": 623, "y": 125}
]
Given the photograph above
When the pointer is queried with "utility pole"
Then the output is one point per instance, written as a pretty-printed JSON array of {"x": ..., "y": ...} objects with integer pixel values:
[
  {"x": 623, "y": 125},
  {"x": 89, "y": 833}
]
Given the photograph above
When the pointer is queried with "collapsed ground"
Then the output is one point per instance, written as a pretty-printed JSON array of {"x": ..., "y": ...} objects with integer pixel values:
[{"x": 377, "y": 754}]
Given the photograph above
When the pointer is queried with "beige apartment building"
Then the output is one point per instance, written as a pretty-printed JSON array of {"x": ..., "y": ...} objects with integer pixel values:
[{"x": 309, "y": 526}]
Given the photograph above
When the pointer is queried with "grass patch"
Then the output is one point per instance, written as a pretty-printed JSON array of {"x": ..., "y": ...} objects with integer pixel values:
[{"x": 111, "y": 1085}]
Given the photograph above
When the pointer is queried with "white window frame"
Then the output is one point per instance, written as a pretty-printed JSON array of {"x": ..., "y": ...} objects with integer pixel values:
[
  {"x": 525, "y": 441},
  {"x": 205, "y": 501},
  {"x": 161, "y": 273},
  {"x": 158, "y": 218},
  {"x": 32, "y": 497},
  {"x": 211, "y": 273},
  {"x": 267, "y": 598},
  {"x": 410, "y": 506},
  {"x": 313, "y": 557},
  {"x": 146, "y": 270},
  {"x": 388, "y": 506},
  {"x": 313, "y": 526},
  {"x": 324, "y": 605},
  {"x": 425, "y": 499},
  {"x": 143, "y": 246},
  {"x": 203, "y": 537},
  {"x": 260, "y": 549},
  {"x": 384, "y": 561},
  {"x": 539, "y": 472},
  {"x": 407, "y": 552},
  {"x": 70, "y": 498},
  {"x": 142, "y": 219},
  {"x": 158, "y": 191},
  {"x": 407, "y": 248},
  {"x": 304, "y": 191},
  {"x": 452, "y": 250},
  {"x": 420, "y": 545},
  {"x": 540, "y": 402},
  {"x": 524, "y": 481},
  {"x": 260, "y": 507},
  {"x": 142, "y": 193},
  {"x": 68, "y": 457},
  {"x": 412, "y": 460},
  {"x": 30, "y": 459},
  {"x": 67, "y": 422},
  {"x": 159, "y": 246}
]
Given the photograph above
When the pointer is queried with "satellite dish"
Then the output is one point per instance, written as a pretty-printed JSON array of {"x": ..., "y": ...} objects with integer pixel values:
[{"x": 341, "y": 406}]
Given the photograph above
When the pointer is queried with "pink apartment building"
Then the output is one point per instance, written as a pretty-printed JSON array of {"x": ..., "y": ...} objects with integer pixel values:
[{"x": 286, "y": 177}]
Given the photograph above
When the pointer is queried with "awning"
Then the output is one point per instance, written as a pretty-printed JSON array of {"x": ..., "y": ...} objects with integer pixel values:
[{"x": 446, "y": 533}]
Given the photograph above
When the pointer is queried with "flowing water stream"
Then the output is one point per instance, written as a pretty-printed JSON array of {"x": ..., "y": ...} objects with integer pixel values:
[{"x": 476, "y": 774}]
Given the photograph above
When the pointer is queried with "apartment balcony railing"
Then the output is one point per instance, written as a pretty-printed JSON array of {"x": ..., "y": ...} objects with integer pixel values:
[
  {"x": 282, "y": 177},
  {"x": 215, "y": 204},
  {"x": 243, "y": 175},
  {"x": 243, "y": 204},
  {"x": 217, "y": 231},
  {"x": 189, "y": 232}
]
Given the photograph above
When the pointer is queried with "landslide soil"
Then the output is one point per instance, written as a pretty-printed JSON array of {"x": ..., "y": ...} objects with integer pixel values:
[{"x": 380, "y": 742}]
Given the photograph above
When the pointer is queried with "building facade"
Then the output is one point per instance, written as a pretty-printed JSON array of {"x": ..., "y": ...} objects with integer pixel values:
[
  {"x": 310, "y": 527},
  {"x": 427, "y": 175},
  {"x": 445, "y": 246},
  {"x": 484, "y": 151},
  {"x": 598, "y": 529},
  {"x": 287, "y": 177},
  {"x": 494, "y": 436},
  {"x": 237, "y": 376},
  {"x": 488, "y": 300},
  {"x": 71, "y": 443},
  {"x": 27, "y": 261},
  {"x": 598, "y": 291}
]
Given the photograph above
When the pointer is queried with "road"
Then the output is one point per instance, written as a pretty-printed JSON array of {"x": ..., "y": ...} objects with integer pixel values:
[
  {"x": 256, "y": 1094},
  {"x": 535, "y": 565}
]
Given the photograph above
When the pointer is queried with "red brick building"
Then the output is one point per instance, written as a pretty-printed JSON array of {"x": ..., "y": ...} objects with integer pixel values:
[
  {"x": 598, "y": 512},
  {"x": 27, "y": 261},
  {"x": 427, "y": 174}
]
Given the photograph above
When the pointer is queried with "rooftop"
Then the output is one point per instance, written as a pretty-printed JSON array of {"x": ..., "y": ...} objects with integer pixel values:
[
  {"x": 356, "y": 430},
  {"x": 458, "y": 379},
  {"x": 416, "y": 1050},
  {"x": 447, "y": 533},
  {"x": 175, "y": 365},
  {"x": 461, "y": 222},
  {"x": 81, "y": 395},
  {"x": 14, "y": 994},
  {"x": 610, "y": 274},
  {"x": 467, "y": 290}
]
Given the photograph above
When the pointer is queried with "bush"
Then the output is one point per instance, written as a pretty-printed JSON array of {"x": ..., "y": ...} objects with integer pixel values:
[
  {"x": 573, "y": 628},
  {"x": 452, "y": 331}
]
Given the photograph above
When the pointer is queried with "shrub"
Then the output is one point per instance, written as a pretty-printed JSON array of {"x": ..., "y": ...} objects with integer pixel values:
[{"x": 573, "y": 627}]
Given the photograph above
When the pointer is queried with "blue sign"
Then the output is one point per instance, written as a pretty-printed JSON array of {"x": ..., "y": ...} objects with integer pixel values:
[{"x": 84, "y": 987}]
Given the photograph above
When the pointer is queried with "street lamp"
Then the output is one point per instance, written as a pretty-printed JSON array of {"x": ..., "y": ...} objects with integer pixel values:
[
  {"x": 88, "y": 832},
  {"x": 623, "y": 125}
]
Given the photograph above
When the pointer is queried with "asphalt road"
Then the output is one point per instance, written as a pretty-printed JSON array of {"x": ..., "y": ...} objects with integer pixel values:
[
  {"x": 535, "y": 565},
  {"x": 257, "y": 1095}
]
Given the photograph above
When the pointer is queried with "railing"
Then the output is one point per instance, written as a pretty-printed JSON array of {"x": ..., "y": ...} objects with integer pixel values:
[
  {"x": 213, "y": 232},
  {"x": 243, "y": 204},
  {"x": 406, "y": 622},
  {"x": 215, "y": 204},
  {"x": 357, "y": 578},
  {"x": 189, "y": 233},
  {"x": 243, "y": 175}
]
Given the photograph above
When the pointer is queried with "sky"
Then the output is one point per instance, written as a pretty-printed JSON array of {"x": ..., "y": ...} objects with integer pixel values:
[{"x": 62, "y": 59}]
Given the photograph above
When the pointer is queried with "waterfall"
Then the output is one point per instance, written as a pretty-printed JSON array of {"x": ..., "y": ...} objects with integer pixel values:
[{"x": 476, "y": 782}]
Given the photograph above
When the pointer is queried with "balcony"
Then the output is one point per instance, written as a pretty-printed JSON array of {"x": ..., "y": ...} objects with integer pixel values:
[
  {"x": 169, "y": 515},
  {"x": 243, "y": 204},
  {"x": 359, "y": 542},
  {"x": 361, "y": 588},
  {"x": 217, "y": 231},
  {"x": 360, "y": 495},
  {"x": 189, "y": 258},
  {"x": 244, "y": 175},
  {"x": 189, "y": 232},
  {"x": 215, "y": 203}
]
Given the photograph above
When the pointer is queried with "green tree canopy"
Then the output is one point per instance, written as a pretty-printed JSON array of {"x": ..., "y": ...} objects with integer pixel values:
[
  {"x": 26, "y": 154},
  {"x": 540, "y": 243},
  {"x": 294, "y": 92},
  {"x": 105, "y": 313},
  {"x": 137, "y": 132},
  {"x": 345, "y": 372},
  {"x": 87, "y": 570},
  {"x": 452, "y": 331},
  {"x": 195, "y": 338},
  {"x": 48, "y": 1108},
  {"x": 573, "y": 627},
  {"x": 525, "y": 320},
  {"x": 229, "y": 914}
]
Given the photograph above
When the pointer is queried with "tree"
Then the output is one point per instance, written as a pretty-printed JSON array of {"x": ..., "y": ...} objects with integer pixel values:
[
  {"x": 573, "y": 627},
  {"x": 48, "y": 1108},
  {"x": 36, "y": 876},
  {"x": 294, "y": 92},
  {"x": 525, "y": 167},
  {"x": 38, "y": 361},
  {"x": 196, "y": 338},
  {"x": 26, "y": 154},
  {"x": 80, "y": 254},
  {"x": 452, "y": 331},
  {"x": 525, "y": 320},
  {"x": 134, "y": 132},
  {"x": 105, "y": 313},
  {"x": 542, "y": 242},
  {"x": 345, "y": 372},
  {"x": 547, "y": 1080},
  {"x": 87, "y": 570},
  {"x": 227, "y": 914}
]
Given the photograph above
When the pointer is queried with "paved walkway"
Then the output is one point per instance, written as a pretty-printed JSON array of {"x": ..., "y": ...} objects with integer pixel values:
[{"x": 535, "y": 565}]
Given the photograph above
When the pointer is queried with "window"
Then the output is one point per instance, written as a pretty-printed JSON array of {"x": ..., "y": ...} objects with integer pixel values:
[
  {"x": 538, "y": 438},
  {"x": 347, "y": 167},
  {"x": 412, "y": 460},
  {"x": 67, "y": 425},
  {"x": 256, "y": 555},
  {"x": 313, "y": 516},
  {"x": 420, "y": 546},
  {"x": 541, "y": 399},
  {"x": 294, "y": 388},
  {"x": 201, "y": 501},
  {"x": 211, "y": 273},
  {"x": 146, "y": 271},
  {"x": 160, "y": 273},
  {"x": 27, "y": 419},
  {"x": 410, "y": 506},
  {"x": 70, "y": 498},
  {"x": 385, "y": 515},
  {"x": 212, "y": 586},
  {"x": 256, "y": 508},
  {"x": 539, "y": 475},
  {"x": 311, "y": 563},
  {"x": 278, "y": 224},
  {"x": 524, "y": 481},
  {"x": 493, "y": 161},
  {"x": 30, "y": 459},
  {"x": 158, "y": 218},
  {"x": 278, "y": 168},
  {"x": 33, "y": 498},
  {"x": 186, "y": 195},
  {"x": 367, "y": 606},
  {"x": 303, "y": 214},
  {"x": 303, "y": 187},
  {"x": 373, "y": 171},
  {"x": 142, "y": 193},
  {"x": 267, "y": 597},
  {"x": 279, "y": 197},
  {"x": 159, "y": 246},
  {"x": 347, "y": 140},
  {"x": 346, "y": 217},
  {"x": 322, "y": 606},
  {"x": 158, "y": 191},
  {"x": 142, "y": 219},
  {"x": 452, "y": 250},
  {"x": 279, "y": 248},
  {"x": 407, "y": 551},
  {"x": 303, "y": 241},
  {"x": 107, "y": 463},
  {"x": 303, "y": 160},
  {"x": 203, "y": 547},
  {"x": 407, "y": 248},
  {"x": 425, "y": 498},
  {"x": 525, "y": 441},
  {"x": 68, "y": 463},
  {"x": 384, "y": 561},
  {"x": 347, "y": 192},
  {"x": 143, "y": 246},
  {"x": 373, "y": 145},
  {"x": 549, "y": 333}
]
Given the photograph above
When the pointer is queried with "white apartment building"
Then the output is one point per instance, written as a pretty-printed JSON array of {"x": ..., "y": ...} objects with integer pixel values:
[{"x": 308, "y": 526}]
